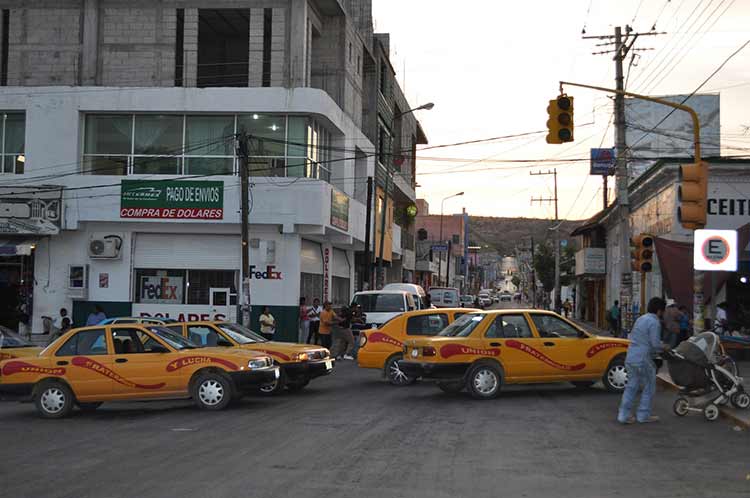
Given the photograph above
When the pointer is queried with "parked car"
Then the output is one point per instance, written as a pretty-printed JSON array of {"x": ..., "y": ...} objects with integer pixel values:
[
  {"x": 467, "y": 300},
  {"x": 382, "y": 348},
  {"x": 383, "y": 305},
  {"x": 91, "y": 365},
  {"x": 482, "y": 351},
  {"x": 12, "y": 345},
  {"x": 300, "y": 363},
  {"x": 444, "y": 297},
  {"x": 416, "y": 291}
]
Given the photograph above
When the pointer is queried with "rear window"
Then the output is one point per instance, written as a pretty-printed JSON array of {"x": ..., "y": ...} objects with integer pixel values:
[
  {"x": 427, "y": 325},
  {"x": 379, "y": 303}
]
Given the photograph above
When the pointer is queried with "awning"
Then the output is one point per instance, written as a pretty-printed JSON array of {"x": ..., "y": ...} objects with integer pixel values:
[
  {"x": 16, "y": 247},
  {"x": 676, "y": 262}
]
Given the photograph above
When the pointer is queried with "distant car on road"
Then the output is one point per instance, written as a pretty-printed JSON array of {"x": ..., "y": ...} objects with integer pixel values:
[
  {"x": 485, "y": 299},
  {"x": 380, "y": 306},
  {"x": 467, "y": 300},
  {"x": 444, "y": 297},
  {"x": 505, "y": 298}
]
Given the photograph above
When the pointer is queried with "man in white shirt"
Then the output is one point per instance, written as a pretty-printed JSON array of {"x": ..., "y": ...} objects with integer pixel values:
[
  {"x": 314, "y": 314},
  {"x": 721, "y": 317}
]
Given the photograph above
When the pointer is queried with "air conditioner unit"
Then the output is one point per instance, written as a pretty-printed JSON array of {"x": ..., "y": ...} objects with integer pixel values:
[{"x": 107, "y": 247}]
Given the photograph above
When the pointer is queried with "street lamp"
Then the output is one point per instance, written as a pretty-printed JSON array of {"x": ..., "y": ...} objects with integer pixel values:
[
  {"x": 440, "y": 260},
  {"x": 388, "y": 172}
]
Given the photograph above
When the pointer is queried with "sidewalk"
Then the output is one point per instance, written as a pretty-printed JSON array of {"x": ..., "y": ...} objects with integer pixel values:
[{"x": 739, "y": 417}]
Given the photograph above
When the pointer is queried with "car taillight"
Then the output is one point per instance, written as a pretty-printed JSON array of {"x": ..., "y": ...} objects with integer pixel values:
[{"x": 428, "y": 351}]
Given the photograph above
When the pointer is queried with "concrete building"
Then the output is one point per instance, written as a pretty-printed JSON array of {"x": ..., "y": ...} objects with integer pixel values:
[
  {"x": 450, "y": 251},
  {"x": 119, "y": 182}
]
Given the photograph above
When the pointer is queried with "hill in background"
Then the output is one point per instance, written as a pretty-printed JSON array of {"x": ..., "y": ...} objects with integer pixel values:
[{"x": 505, "y": 234}]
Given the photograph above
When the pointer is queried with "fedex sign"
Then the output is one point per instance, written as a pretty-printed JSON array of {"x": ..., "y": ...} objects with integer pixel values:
[
  {"x": 161, "y": 290},
  {"x": 267, "y": 273}
]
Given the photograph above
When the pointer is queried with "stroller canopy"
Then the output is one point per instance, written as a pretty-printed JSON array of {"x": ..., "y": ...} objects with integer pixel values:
[{"x": 703, "y": 349}]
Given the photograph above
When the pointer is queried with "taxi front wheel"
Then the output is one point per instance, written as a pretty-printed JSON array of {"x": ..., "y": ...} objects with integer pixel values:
[
  {"x": 616, "y": 377},
  {"x": 212, "y": 391},
  {"x": 483, "y": 381},
  {"x": 53, "y": 399},
  {"x": 275, "y": 387}
]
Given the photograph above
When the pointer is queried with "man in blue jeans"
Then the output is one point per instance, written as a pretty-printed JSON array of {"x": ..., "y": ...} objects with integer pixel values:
[{"x": 645, "y": 344}]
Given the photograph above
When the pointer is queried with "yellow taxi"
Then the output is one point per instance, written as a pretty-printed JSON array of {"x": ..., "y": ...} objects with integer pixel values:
[
  {"x": 482, "y": 351},
  {"x": 299, "y": 363},
  {"x": 12, "y": 345},
  {"x": 91, "y": 365},
  {"x": 383, "y": 348}
]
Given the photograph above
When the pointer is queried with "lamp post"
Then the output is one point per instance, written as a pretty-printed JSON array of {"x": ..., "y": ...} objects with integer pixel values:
[
  {"x": 380, "y": 277},
  {"x": 440, "y": 260}
]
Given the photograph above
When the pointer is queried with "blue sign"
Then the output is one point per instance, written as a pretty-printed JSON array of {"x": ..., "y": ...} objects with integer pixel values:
[
  {"x": 440, "y": 248},
  {"x": 602, "y": 161}
]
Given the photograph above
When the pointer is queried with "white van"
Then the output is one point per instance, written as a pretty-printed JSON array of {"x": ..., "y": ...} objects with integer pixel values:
[
  {"x": 380, "y": 306},
  {"x": 416, "y": 291},
  {"x": 445, "y": 297}
]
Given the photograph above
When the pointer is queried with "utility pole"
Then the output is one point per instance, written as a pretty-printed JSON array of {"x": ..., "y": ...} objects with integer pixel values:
[
  {"x": 368, "y": 222},
  {"x": 557, "y": 302},
  {"x": 242, "y": 152},
  {"x": 533, "y": 275},
  {"x": 622, "y": 46}
]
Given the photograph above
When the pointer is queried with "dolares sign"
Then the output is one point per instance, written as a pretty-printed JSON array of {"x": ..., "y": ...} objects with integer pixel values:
[{"x": 172, "y": 199}]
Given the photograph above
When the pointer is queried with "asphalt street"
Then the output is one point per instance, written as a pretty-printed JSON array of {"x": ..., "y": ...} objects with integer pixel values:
[{"x": 351, "y": 434}]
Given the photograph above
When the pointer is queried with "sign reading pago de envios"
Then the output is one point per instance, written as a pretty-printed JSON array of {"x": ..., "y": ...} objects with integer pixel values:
[
  {"x": 173, "y": 199},
  {"x": 715, "y": 250}
]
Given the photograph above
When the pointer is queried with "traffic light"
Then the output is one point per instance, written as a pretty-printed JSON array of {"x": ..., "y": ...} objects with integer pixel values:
[
  {"x": 692, "y": 195},
  {"x": 560, "y": 122},
  {"x": 642, "y": 253}
]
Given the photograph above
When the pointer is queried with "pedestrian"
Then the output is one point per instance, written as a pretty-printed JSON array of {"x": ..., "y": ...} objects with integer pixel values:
[
  {"x": 58, "y": 322},
  {"x": 96, "y": 317},
  {"x": 614, "y": 319},
  {"x": 566, "y": 307},
  {"x": 328, "y": 319},
  {"x": 685, "y": 324},
  {"x": 645, "y": 344},
  {"x": 267, "y": 324},
  {"x": 671, "y": 329},
  {"x": 313, "y": 337},
  {"x": 343, "y": 339},
  {"x": 304, "y": 320},
  {"x": 359, "y": 323},
  {"x": 722, "y": 323}
]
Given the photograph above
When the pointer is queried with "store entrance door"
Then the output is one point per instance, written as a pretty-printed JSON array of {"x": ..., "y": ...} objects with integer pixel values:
[{"x": 219, "y": 301}]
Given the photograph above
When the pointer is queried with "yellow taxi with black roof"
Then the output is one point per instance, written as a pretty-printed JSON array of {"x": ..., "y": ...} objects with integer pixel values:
[
  {"x": 92, "y": 365},
  {"x": 299, "y": 363},
  {"x": 482, "y": 351}
]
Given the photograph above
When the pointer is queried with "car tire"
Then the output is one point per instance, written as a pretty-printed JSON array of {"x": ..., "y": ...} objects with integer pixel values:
[
  {"x": 89, "y": 407},
  {"x": 275, "y": 387},
  {"x": 297, "y": 386},
  {"x": 212, "y": 391},
  {"x": 484, "y": 380},
  {"x": 451, "y": 387},
  {"x": 53, "y": 399},
  {"x": 583, "y": 384},
  {"x": 394, "y": 374},
  {"x": 615, "y": 378}
]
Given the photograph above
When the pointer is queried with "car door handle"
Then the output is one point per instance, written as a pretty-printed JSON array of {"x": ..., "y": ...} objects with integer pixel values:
[
  {"x": 549, "y": 343},
  {"x": 121, "y": 360},
  {"x": 61, "y": 363},
  {"x": 496, "y": 344}
]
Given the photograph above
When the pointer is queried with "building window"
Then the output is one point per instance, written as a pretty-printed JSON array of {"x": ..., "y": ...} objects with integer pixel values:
[
  {"x": 223, "y": 41},
  {"x": 383, "y": 78},
  {"x": 177, "y": 287},
  {"x": 13, "y": 143}
]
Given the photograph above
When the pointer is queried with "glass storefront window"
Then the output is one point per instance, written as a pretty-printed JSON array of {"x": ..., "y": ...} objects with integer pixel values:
[
  {"x": 160, "y": 286},
  {"x": 201, "y": 281}
]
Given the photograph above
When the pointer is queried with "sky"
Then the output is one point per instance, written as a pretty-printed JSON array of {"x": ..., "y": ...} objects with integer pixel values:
[{"x": 491, "y": 66}]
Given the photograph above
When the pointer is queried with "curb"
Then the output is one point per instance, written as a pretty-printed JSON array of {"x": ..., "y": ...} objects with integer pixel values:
[{"x": 724, "y": 412}]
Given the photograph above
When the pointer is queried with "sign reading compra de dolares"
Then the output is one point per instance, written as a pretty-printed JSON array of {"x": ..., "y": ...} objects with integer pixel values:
[{"x": 173, "y": 199}]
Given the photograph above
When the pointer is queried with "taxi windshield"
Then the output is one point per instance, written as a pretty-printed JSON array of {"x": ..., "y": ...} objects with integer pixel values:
[
  {"x": 172, "y": 338},
  {"x": 10, "y": 339},
  {"x": 463, "y": 326},
  {"x": 240, "y": 334}
]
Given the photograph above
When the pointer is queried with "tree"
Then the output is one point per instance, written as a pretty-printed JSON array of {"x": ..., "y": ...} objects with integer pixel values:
[
  {"x": 544, "y": 265},
  {"x": 516, "y": 281}
]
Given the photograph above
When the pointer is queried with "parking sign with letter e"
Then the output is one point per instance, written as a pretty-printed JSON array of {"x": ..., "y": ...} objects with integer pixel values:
[{"x": 715, "y": 250}]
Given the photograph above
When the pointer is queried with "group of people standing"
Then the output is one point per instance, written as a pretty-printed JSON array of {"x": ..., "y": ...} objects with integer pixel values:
[
  {"x": 326, "y": 327},
  {"x": 677, "y": 323}
]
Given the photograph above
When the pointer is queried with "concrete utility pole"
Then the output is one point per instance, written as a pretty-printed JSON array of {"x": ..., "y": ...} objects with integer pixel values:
[
  {"x": 556, "y": 228},
  {"x": 242, "y": 152}
]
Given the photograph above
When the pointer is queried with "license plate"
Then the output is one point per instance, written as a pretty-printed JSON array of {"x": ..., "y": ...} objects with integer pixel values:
[
  {"x": 414, "y": 353},
  {"x": 329, "y": 364}
]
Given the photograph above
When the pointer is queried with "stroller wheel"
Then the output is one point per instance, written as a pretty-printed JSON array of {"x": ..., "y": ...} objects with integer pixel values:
[
  {"x": 711, "y": 412},
  {"x": 741, "y": 400},
  {"x": 681, "y": 407}
]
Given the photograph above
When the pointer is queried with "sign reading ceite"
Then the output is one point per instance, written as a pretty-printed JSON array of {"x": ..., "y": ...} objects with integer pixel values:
[{"x": 174, "y": 199}]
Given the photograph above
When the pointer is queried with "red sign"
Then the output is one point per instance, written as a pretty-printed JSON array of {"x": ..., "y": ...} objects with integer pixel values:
[
  {"x": 173, "y": 213},
  {"x": 326, "y": 261}
]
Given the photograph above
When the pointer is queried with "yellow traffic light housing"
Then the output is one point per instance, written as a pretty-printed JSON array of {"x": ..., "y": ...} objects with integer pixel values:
[
  {"x": 692, "y": 195},
  {"x": 642, "y": 253},
  {"x": 560, "y": 121}
]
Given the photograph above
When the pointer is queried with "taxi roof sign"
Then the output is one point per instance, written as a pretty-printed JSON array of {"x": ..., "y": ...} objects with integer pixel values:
[{"x": 715, "y": 250}]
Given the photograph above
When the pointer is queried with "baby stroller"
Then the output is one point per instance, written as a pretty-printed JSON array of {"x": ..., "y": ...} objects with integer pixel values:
[{"x": 703, "y": 370}]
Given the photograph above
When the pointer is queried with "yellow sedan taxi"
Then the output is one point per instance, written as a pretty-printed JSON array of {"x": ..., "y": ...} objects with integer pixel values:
[
  {"x": 383, "y": 348},
  {"x": 91, "y": 365},
  {"x": 299, "y": 363},
  {"x": 482, "y": 351},
  {"x": 12, "y": 345}
]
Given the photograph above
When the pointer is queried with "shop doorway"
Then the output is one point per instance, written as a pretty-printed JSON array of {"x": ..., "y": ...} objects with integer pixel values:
[{"x": 219, "y": 300}]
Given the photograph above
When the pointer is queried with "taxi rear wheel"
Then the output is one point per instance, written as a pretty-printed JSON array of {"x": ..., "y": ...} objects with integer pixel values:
[
  {"x": 53, "y": 399},
  {"x": 394, "y": 374},
  {"x": 212, "y": 391},
  {"x": 483, "y": 381},
  {"x": 616, "y": 377}
]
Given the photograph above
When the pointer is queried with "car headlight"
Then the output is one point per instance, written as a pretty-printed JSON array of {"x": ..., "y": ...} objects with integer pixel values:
[
  {"x": 300, "y": 357},
  {"x": 260, "y": 363}
]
